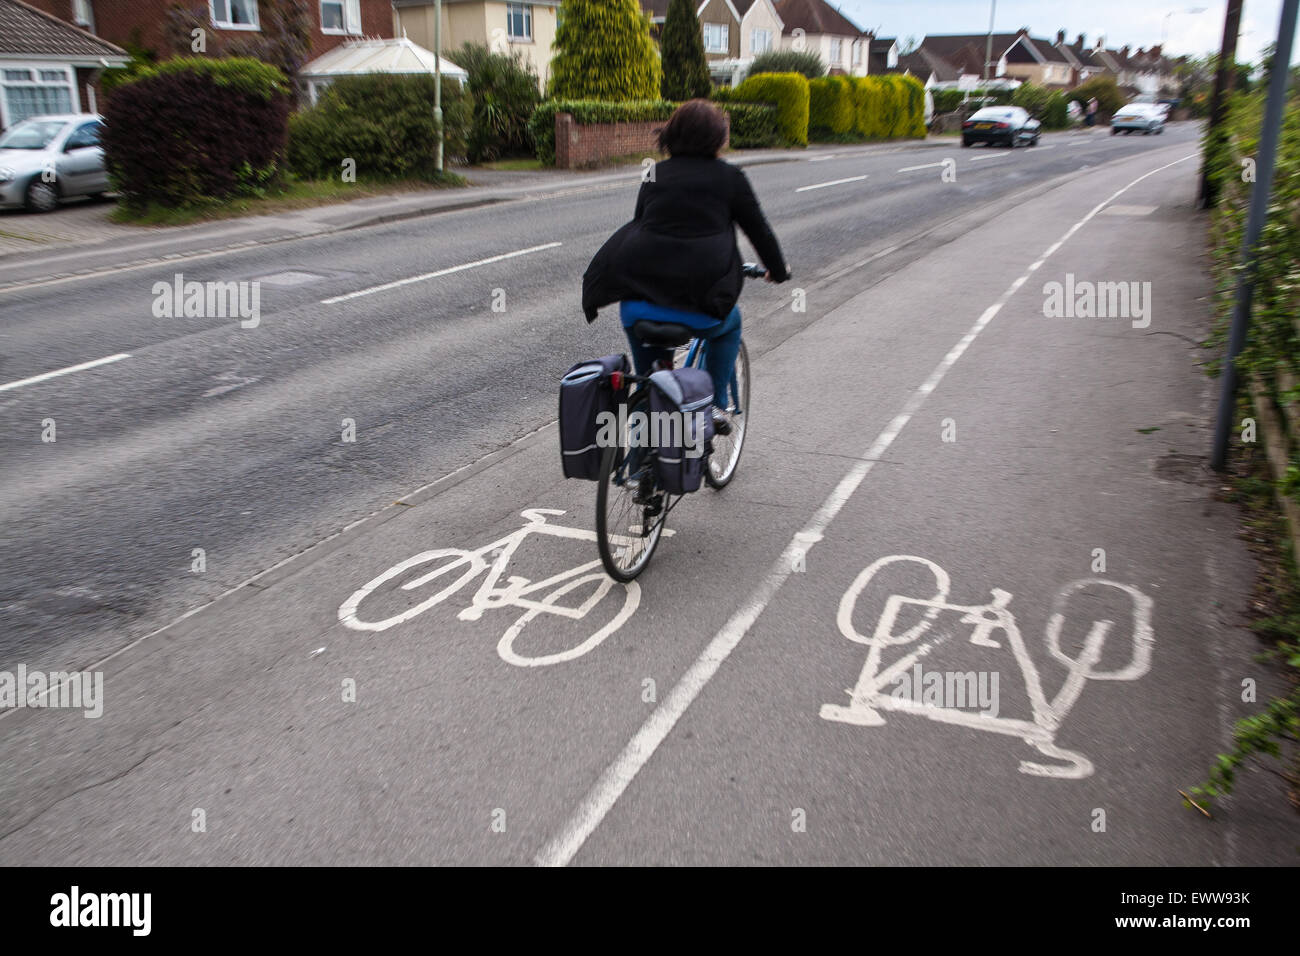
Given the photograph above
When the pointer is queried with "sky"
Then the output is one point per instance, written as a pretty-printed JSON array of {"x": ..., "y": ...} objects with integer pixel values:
[{"x": 1137, "y": 23}]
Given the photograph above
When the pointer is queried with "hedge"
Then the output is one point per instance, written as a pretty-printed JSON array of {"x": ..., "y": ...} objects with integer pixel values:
[
  {"x": 753, "y": 125},
  {"x": 788, "y": 92},
  {"x": 585, "y": 112},
  {"x": 830, "y": 109},
  {"x": 889, "y": 107},
  {"x": 384, "y": 122},
  {"x": 191, "y": 131}
]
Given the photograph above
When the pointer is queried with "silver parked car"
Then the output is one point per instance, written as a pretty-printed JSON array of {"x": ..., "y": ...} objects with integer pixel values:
[
  {"x": 1139, "y": 117},
  {"x": 47, "y": 158}
]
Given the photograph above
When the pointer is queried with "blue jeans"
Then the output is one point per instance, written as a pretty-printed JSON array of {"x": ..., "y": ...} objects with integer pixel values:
[{"x": 722, "y": 335}]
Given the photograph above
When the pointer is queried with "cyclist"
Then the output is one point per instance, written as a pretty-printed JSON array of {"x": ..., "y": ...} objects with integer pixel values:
[{"x": 677, "y": 260}]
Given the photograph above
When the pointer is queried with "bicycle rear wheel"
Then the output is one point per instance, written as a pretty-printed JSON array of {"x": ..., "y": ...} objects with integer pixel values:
[
  {"x": 630, "y": 507},
  {"x": 727, "y": 448}
]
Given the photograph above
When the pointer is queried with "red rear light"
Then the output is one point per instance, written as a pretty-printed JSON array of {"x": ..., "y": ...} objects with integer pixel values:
[
  {"x": 1003, "y": 125},
  {"x": 616, "y": 381},
  {"x": 968, "y": 123}
]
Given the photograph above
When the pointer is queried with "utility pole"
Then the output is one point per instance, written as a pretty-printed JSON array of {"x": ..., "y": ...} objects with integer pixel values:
[
  {"x": 1223, "y": 78},
  {"x": 1259, "y": 199},
  {"x": 437, "y": 79},
  {"x": 988, "y": 47}
]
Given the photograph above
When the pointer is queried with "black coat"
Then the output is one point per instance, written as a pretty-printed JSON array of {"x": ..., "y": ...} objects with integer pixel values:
[{"x": 680, "y": 250}]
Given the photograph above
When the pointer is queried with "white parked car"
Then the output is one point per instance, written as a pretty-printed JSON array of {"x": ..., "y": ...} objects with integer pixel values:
[
  {"x": 1145, "y": 118},
  {"x": 47, "y": 158}
]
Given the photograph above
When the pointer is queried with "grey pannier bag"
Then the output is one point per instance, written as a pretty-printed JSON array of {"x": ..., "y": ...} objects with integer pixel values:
[
  {"x": 681, "y": 426},
  {"x": 585, "y": 393}
]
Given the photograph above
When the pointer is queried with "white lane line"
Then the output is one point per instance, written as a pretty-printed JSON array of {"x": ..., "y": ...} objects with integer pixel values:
[
  {"x": 980, "y": 159},
  {"x": 441, "y": 272},
  {"x": 833, "y": 182},
  {"x": 1041, "y": 148},
  {"x": 820, "y": 159},
  {"x": 562, "y": 847},
  {"x": 64, "y": 371},
  {"x": 909, "y": 169}
]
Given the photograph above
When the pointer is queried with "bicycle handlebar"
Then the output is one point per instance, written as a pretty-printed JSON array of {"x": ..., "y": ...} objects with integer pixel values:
[{"x": 753, "y": 270}]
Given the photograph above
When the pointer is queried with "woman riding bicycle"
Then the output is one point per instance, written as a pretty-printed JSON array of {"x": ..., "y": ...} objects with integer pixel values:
[{"x": 677, "y": 260}]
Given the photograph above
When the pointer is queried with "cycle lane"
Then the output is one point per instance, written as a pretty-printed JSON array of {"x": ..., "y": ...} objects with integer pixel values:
[
  {"x": 1057, "y": 467},
  {"x": 444, "y": 732}
]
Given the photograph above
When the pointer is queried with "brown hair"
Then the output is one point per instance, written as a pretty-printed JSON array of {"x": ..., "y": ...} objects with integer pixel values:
[{"x": 696, "y": 128}]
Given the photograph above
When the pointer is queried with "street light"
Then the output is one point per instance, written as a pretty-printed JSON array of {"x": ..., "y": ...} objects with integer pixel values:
[
  {"x": 988, "y": 47},
  {"x": 1164, "y": 27}
]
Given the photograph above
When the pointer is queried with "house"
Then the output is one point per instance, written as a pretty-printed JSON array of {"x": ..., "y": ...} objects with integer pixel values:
[
  {"x": 1083, "y": 61},
  {"x": 761, "y": 27},
  {"x": 525, "y": 28},
  {"x": 817, "y": 26},
  {"x": 935, "y": 72},
  {"x": 882, "y": 54},
  {"x": 48, "y": 65},
  {"x": 364, "y": 57},
  {"x": 143, "y": 23}
]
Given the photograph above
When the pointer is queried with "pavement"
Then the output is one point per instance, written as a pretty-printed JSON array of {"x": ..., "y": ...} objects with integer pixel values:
[{"x": 941, "y": 477}]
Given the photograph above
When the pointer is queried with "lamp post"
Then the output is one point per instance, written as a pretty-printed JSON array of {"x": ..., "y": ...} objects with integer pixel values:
[
  {"x": 988, "y": 46},
  {"x": 437, "y": 79}
]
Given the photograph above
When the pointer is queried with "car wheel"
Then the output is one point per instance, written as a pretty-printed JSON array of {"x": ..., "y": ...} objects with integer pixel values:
[
  {"x": 1034, "y": 141},
  {"x": 42, "y": 196},
  {"x": 1114, "y": 131},
  {"x": 965, "y": 142}
]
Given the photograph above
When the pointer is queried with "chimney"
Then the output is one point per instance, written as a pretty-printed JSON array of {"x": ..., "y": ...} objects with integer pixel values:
[
  {"x": 1123, "y": 52},
  {"x": 1060, "y": 38},
  {"x": 1082, "y": 42},
  {"x": 1101, "y": 43}
]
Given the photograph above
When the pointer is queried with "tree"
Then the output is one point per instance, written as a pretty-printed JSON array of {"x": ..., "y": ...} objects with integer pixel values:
[
  {"x": 686, "y": 72},
  {"x": 603, "y": 51}
]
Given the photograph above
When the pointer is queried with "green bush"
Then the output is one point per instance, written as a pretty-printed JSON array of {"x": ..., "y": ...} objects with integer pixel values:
[
  {"x": 503, "y": 92},
  {"x": 753, "y": 125},
  {"x": 948, "y": 101},
  {"x": 789, "y": 93},
  {"x": 788, "y": 61},
  {"x": 1108, "y": 94},
  {"x": 912, "y": 102},
  {"x": 686, "y": 71},
  {"x": 384, "y": 122},
  {"x": 830, "y": 109},
  {"x": 1056, "y": 115},
  {"x": 585, "y": 112},
  {"x": 191, "y": 131},
  {"x": 889, "y": 107},
  {"x": 603, "y": 51}
]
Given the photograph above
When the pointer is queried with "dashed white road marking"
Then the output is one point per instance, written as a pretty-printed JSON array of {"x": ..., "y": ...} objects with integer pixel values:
[
  {"x": 980, "y": 159},
  {"x": 441, "y": 272},
  {"x": 616, "y": 778},
  {"x": 910, "y": 169},
  {"x": 833, "y": 182},
  {"x": 64, "y": 371}
]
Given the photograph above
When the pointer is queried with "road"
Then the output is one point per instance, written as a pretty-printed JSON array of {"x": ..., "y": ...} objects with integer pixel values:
[{"x": 921, "y": 416}]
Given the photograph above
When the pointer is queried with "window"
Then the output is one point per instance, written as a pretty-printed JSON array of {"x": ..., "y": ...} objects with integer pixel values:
[
  {"x": 760, "y": 41},
  {"x": 519, "y": 21},
  {"x": 837, "y": 51},
  {"x": 340, "y": 16},
  {"x": 83, "y": 15},
  {"x": 857, "y": 52},
  {"x": 234, "y": 14},
  {"x": 717, "y": 36},
  {"x": 34, "y": 92},
  {"x": 85, "y": 136}
]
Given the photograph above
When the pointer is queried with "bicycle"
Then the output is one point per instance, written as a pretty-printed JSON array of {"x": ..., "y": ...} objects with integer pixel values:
[{"x": 631, "y": 507}]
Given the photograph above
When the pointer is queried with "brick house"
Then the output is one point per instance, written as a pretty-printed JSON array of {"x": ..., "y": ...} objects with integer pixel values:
[
  {"x": 47, "y": 65},
  {"x": 141, "y": 22}
]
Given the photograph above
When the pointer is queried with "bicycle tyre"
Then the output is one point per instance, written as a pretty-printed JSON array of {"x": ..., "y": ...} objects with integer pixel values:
[
  {"x": 615, "y": 508},
  {"x": 727, "y": 448}
]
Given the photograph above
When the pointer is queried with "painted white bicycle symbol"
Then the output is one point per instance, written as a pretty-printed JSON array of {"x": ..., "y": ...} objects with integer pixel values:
[
  {"x": 870, "y": 695},
  {"x": 492, "y": 561}
]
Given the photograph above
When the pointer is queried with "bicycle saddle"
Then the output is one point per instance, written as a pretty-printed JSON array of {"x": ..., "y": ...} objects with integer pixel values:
[{"x": 663, "y": 334}]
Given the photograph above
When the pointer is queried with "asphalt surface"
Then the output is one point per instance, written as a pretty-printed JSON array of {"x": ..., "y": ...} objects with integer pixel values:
[{"x": 704, "y": 714}]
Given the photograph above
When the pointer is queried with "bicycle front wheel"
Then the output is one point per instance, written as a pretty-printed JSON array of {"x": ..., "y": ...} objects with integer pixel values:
[
  {"x": 726, "y": 448},
  {"x": 630, "y": 507}
]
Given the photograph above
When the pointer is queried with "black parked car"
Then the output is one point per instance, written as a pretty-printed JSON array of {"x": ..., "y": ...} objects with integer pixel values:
[{"x": 1007, "y": 125}]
